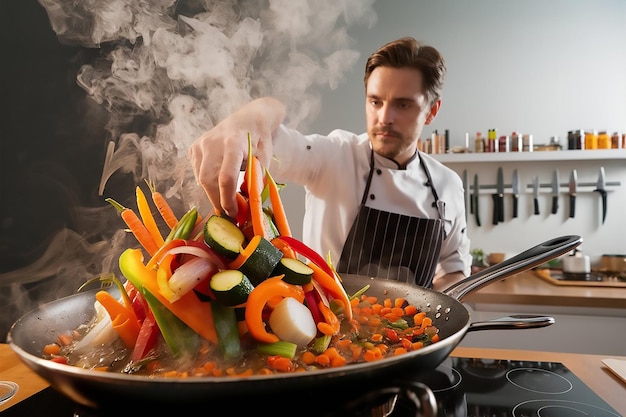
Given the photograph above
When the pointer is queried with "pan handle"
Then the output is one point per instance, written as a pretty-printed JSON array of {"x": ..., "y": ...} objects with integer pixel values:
[
  {"x": 514, "y": 321},
  {"x": 530, "y": 258}
]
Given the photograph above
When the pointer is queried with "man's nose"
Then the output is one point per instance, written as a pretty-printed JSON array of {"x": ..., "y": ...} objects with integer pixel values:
[{"x": 385, "y": 114}]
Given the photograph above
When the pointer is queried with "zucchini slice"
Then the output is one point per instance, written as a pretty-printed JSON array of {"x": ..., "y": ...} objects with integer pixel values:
[
  {"x": 295, "y": 271},
  {"x": 258, "y": 260},
  {"x": 230, "y": 287},
  {"x": 223, "y": 236}
]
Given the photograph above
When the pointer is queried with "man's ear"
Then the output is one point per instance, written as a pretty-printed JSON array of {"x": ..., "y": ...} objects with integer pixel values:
[{"x": 433, "y": 111}]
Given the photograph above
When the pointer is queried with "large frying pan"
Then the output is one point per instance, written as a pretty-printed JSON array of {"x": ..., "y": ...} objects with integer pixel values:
[{"x": 315, "y": 392}]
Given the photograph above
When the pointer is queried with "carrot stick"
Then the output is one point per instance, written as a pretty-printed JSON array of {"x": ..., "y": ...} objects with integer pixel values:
[
  {"x": 254, "y": 173},
  {"x": 147, "y": 217},
  {"x": 163, "y": 206},
  {"x": 136, "y": 227},
  {"x": 333, "y": 286},
  {"x": 280, "y": 216}
]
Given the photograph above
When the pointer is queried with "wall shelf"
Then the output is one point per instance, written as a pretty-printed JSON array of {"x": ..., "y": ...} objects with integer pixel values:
[{"x": 539, "y": 156}]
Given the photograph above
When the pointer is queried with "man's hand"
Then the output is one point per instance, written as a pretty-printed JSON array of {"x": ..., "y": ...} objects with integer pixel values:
[{"x": 220, "y": 154}]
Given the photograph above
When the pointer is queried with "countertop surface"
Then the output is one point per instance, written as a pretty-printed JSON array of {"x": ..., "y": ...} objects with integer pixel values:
[
  {"x": 589, "y": 368},
  {"x": 530, "y": 288}
]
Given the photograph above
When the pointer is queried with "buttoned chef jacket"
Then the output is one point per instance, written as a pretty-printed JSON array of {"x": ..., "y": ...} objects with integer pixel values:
[{"x": 333, "y": 170}]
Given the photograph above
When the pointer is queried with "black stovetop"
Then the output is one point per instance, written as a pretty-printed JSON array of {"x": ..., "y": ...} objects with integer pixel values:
[{"x": 463, "y": 387}]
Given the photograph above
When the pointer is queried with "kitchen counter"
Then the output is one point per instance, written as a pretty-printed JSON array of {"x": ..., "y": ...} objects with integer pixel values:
[
  {"x": 528, "y": 288},
  {"x": 588, "y": 368}
]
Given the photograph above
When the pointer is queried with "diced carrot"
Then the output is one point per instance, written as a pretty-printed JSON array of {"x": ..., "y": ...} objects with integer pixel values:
[
  {"x": 65, "y": 339},
  {"x": 338, "y": 361},
  {"x": 376, "y": 337},
  {"x": 322, "y": 360},
  {"x": 282, "y": 364},
  {"x": 308, "y": 357},
  {"x": 399, "y": 302},
  {"x": 418, "y": 318},
  {"x": 374, "y": 321},
  {"x": 399, "y": 351},
  {"x": 325, "y": 328},
  {"x": 435, "y": 338},
  {"x": 410, "y": 310},
  {"x": 387, "y": 303},
  {"x": 51, "y": 349}
]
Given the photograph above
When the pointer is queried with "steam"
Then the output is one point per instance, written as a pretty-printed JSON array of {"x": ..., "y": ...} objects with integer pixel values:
[{"x": 170, "y": 70}]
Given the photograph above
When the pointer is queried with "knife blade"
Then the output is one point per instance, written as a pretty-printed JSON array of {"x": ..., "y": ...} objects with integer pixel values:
[
  {"x": 498, "y": 198},
  {"x": 573, "y": 186},
  {"x": 601, "y": 188},
  {"x": 475, "y": 194},
  {"x": 465, "y": 192},
  {"x": 555, "y": 191},
  {"x": 515, "y": 192},
  {"x": 536, "y": 194}
]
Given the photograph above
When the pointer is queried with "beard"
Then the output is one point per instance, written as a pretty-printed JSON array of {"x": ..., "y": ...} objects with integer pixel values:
[{"x": 388, "y": 142}]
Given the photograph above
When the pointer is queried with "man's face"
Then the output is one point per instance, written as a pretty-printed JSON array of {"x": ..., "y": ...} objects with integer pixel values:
[{"x": 396, "y": 110}]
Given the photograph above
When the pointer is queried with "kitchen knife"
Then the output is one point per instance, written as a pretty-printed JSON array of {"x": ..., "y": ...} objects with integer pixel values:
[
  {"x": 555, "y": 191},
  {"x": 475, "y": 195},
  {"x": 498, "y": 198},
  {"x": 465, "y": 193},
  {"x": 515, "y": 192},
  {"x": 536, "y": 194},
  {"x": 601, "y": 188},
  {"x": 573, "y": 185}
]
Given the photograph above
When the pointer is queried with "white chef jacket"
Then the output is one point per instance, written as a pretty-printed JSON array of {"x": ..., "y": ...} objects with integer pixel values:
[{"x": 333, "y": 170}]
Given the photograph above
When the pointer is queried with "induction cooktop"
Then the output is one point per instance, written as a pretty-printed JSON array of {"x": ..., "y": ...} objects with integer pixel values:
[{"x": 462, "y": 387}]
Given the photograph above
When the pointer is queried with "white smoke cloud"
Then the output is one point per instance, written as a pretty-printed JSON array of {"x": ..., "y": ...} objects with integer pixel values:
[{"x": 169, "y": 70}]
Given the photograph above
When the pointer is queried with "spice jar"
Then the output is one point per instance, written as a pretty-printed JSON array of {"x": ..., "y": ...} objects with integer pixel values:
[
  {"x": 479, "y": 143},
  {"x": 604, "y": 142}
]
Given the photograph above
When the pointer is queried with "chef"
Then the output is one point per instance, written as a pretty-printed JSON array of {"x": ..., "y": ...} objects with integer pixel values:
[{"x": 375, "y": 203}]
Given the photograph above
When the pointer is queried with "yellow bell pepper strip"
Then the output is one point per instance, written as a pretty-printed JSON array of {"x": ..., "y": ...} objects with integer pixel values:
[
  {"x": 227, "y": 328},
  {"x": 180, "y": 338},
  {"x": 147, "y": 217},
  {"x": 123, "y": 319},
  {"x": 189, "y": 308},
  {"x": 164, "y": 273},
  {"x": 135, "y": 225},
  {"x": 278, "y": 210},
  {"x": 257, "y": 300}
]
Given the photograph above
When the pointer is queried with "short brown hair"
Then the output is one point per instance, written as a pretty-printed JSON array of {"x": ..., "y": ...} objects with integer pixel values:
[{"x": 408, "y": 52}]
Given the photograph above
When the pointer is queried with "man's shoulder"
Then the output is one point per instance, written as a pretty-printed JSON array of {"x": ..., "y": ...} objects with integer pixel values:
[{"x": 438, "y": 168}]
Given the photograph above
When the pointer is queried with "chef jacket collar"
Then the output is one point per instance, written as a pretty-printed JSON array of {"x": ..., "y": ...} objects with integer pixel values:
[{"x": 391, "y": 164}]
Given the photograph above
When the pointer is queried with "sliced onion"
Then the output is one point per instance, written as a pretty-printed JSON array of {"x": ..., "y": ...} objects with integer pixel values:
[{"x": 190, "y": 274}]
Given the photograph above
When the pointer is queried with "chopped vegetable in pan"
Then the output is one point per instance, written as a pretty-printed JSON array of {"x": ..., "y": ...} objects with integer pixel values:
[{"x": 219, "y": 302}]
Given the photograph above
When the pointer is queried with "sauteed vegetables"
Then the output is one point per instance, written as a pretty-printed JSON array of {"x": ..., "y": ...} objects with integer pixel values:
[{"x": 220, "y": 296}]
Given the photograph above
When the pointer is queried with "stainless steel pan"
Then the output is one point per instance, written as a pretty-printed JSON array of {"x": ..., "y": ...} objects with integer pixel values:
[{"x": 309, "y": 392}]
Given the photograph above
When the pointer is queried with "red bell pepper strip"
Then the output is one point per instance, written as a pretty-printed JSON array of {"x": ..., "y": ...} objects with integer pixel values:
[
  {"x": 331, "y": 284},
  {"x": 301, "y": 248},
  {"x": 147, "y": 337},
  {"x": 195, "y": 313},
  {"x": 123, "y": 319},
  {"x": 257, "y": 300}
]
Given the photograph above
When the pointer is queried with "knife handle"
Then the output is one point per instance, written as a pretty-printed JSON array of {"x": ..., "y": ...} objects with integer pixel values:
[
  {"x": 603, "y": 194},
  {"x": 536, "y": 204},
  {"x": 555, "y": 204},
  {"x": 476, "y": 213},
  {"x": 500, "y": 208},
  {"x": 515, "y": 200},
  {"x": 496, "y": 208},
  {"x": 572, "y": 205}
]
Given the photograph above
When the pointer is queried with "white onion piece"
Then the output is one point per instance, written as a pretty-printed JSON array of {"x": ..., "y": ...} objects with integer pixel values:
[
  {"x": 190, "y": 274},
  {"x": 102, "y": 333},
  {"x": 293, "y": 322},
  {"x": 199, "y": 252}
]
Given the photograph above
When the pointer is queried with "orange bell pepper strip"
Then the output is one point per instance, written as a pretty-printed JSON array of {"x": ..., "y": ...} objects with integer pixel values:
[
  {"x": 189, "y": 309},
  {"x": 259, "y": 298},
  {"x": 123, "y": 319},
  {"x": 333, "y": 286}
]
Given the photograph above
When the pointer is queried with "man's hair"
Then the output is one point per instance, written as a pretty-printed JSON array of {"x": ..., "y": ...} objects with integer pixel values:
[{"x": 407, "y": 52}]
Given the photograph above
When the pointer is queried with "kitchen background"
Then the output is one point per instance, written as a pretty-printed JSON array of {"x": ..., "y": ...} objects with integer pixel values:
[{"x": 535, "y": 67}]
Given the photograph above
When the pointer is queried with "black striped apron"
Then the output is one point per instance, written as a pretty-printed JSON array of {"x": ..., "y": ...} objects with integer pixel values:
[{"x": 394, "y": 246}]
